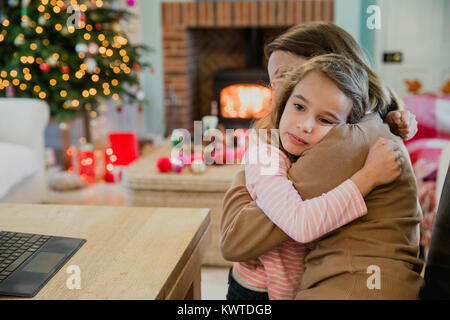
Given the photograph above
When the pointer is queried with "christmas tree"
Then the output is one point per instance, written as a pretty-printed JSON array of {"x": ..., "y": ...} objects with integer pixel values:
[{"x": 69, "y": 53}]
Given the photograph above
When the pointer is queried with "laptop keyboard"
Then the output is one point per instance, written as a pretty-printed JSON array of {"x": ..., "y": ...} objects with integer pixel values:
[{"x": 15, "y": 248}]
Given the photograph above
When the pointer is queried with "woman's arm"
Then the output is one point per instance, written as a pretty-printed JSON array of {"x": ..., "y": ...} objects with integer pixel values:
[{"x": 245, "y": 231}]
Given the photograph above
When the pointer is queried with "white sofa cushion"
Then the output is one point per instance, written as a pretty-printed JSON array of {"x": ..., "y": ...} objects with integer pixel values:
[{"x": 16, "y": 163}]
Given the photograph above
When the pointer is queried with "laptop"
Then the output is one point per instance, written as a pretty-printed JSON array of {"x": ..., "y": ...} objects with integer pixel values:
[{"x": 28, "y": 261}]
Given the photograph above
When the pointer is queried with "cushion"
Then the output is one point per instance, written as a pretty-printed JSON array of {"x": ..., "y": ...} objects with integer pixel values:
[{"x": 16, "y": 163}]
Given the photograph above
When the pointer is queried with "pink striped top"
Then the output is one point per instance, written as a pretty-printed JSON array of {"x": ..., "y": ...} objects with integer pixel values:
[{"x": 281, "y": 269}]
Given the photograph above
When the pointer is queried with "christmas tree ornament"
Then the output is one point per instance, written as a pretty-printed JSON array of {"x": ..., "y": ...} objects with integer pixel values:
[
  {"x": 52, "y": 61},
  {"x": 177, "y": 164},
  {"x": 198, "y": 167},
  {"x": 116, "y": 27},
  {"x": 93, "y": 48},
  {"x": 19, "y": 40},
  {"x": 45, "y": 67},
  {"x": 140, "y": 94},
  {"x": 119, "y": 109},
  {"x": 42, "y": 21},
  {"x": 176, "y": 137},
  {"x": 65, "y": 69},
  {"x": 98, "y": 26},
  {"x": 184, "y": 158},
  {"x": 91, "y": 64},
  {"x": 13, "y": 3},
  {"x": 163, "y": 164},
  {"x": 81, "y": 48},
  {"x": 102, "y": 107}
]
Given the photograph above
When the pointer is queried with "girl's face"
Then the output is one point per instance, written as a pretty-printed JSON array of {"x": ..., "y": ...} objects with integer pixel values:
[{"x": 315, "y": 106}]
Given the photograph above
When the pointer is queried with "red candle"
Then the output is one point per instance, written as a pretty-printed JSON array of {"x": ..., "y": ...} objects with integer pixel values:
[{"x": 86, "y": 163}]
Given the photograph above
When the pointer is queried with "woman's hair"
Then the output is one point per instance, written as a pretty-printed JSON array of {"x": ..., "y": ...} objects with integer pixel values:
[
  {"x": 347, "y": 75},
  {"x": 318, "y": 38}
]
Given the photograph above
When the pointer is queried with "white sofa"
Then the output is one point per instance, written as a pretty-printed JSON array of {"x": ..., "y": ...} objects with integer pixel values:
[{"x": 22, "y": 126}]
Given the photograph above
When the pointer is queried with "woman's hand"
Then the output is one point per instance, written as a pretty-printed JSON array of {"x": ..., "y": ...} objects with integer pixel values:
[
  {"x": 402, "y": 123},
  {"x": 382, "y": 166}
]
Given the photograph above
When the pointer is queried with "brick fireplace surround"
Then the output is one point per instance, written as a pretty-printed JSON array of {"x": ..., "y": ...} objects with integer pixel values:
[{"x": 202, "y": 37}]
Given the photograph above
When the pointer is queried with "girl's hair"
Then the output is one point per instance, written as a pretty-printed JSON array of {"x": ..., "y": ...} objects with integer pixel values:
[
  {"x": 318, "y": 38},
  {"x": 347, "y": 75}
]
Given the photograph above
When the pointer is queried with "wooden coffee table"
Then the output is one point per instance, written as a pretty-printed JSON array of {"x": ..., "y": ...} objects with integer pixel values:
[
  {"x": 146, "y": 186},
  {"x": 130, "y": 253}
]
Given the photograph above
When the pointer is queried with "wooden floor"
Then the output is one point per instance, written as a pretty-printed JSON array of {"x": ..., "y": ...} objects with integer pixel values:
[{"x": 214, "y": 280}]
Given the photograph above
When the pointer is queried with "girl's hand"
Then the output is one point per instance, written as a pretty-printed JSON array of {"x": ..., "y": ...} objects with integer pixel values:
[
  {"x": 402, "y": 123},
  {"x": 382, "y": 166}
]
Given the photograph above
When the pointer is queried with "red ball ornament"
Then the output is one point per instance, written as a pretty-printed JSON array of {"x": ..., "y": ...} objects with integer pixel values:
[
  {"x": 163, "y": 164},
  {"x": 98, "y": 27},
  {"x": 44, "y": 66},
  {"x": 65, "y": 69},
  {"x": 119, "y": 109},
  {"x": 136, "y": 67}
]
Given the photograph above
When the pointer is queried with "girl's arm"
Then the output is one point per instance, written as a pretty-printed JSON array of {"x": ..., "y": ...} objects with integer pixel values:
[{"x": 303, "y": 221}]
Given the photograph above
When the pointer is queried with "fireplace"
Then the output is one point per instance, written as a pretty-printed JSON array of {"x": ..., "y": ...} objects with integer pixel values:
[
  {"x": 241, "y": 95},
  {"x": 206, "y": 51}
]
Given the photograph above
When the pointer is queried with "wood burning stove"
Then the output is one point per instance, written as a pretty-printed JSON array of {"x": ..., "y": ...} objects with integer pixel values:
[{"x": 241, "y": 95}]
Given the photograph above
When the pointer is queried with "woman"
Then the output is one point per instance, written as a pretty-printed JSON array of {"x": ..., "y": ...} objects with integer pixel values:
[{"x": 288, "y": 51}]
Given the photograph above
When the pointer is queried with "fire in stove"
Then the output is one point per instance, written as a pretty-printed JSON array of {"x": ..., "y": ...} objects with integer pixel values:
[{"x": 245, "y": 101}]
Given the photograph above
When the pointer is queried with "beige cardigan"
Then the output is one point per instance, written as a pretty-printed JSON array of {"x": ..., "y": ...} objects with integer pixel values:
[{"x": 340, "y": 264}]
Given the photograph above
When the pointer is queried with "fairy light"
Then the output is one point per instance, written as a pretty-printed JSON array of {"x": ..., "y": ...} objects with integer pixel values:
[
  {"x": 95, "y": 77},
  {"x": 3, "y": 74},
  {"x": 13, "y": 73},
  {"x": 16, "y": 82},
  {"x": 65, "y": 77},
  {"x": 23, "y": 86},
  {"x": 33, "y": 46},
  {"x": 39, "y": 29},
  {"x": 28, "y": 76},
  {"x": 53, "y": 82},
  {"x": 63, "y": 93},
  {"x": 42, "y": 95},
  {"x": 85, "y": 93},
  {"x": 75, "y": 103}
]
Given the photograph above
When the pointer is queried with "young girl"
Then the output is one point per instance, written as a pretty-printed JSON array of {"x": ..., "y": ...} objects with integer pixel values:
[{"x": 326, "y": 91}]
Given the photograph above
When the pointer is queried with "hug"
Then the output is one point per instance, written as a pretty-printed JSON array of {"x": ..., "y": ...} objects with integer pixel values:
[{"x": 340, "y": 217}]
